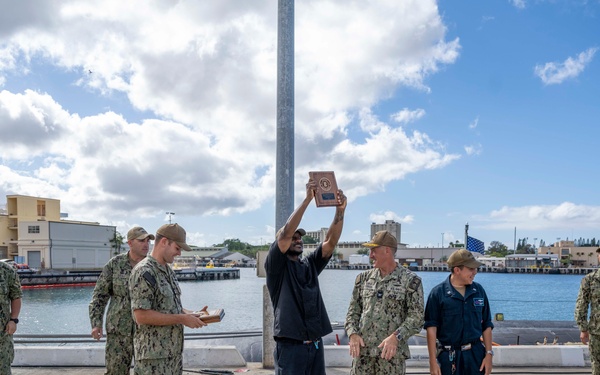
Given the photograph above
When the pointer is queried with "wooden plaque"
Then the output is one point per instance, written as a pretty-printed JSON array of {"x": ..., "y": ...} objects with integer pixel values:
[
  {"x": 326, "y": 194},
  {"x": 213, "y": 316}
]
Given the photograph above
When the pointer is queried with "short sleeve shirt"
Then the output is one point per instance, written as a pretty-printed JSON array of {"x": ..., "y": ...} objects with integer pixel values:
[
  {"x": 459, "y": 320},
  {"x": 298, "y": 308}
]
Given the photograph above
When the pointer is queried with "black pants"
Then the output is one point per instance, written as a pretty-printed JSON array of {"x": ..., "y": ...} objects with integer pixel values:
[
  {"x": 466, "y": 362},
  {"x": 297, "y": 358}
]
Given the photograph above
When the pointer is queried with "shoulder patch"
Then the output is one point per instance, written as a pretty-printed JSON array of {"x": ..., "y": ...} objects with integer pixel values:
[
  {"x": 149, "y": 278},
  {"x": 358, "y": 280},
  {"x": 414, "y": 284}
]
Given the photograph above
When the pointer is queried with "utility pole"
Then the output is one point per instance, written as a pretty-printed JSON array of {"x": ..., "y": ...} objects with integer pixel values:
[{"x": 169, "y": 214}]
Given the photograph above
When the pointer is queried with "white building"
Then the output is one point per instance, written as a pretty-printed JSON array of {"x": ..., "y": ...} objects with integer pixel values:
[{"x": 65, "y": 245}]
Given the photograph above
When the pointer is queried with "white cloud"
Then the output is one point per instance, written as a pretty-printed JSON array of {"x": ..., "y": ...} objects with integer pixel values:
[
  {"x": 554, "y": 73},
  {"x": 474, "y": 123},
  {"x": 406, "y": 116},
  {"x": 204, "y": 75},
  {"x": 564, "y": 215},
  {"x": 518, "y": 3},
  {"x": 381, "y": 217},
  {"x": 474, "y": 149}
]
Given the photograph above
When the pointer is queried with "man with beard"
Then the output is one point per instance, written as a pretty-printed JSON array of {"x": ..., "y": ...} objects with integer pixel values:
[
  {"x": 458, "y": 314},
  {"x": 113, "y": 285},
  {"x": 300, "y": 318}
]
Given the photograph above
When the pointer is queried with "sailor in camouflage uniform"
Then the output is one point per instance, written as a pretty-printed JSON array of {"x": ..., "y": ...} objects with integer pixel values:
[
  {"x": 385, "y": 311},
  {"x": 589, "y": 295},
  {"x": 156, "y": 305},
  {"x": 10, "y": 307},
  {"x": 113, "y": 285}
]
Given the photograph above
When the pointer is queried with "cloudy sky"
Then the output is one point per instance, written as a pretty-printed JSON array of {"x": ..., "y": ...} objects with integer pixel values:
[{"x": 433, "y": 114}]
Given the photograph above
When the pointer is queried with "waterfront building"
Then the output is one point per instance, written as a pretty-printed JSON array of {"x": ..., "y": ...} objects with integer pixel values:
[
  {"x": 423, "y": 256},
  {"x": 389, "y": 225},
  {"x": 569, "y": 254},
  {"x": 23, "y": 208},
  {"x": 34, "y": 231},
  {"x": 532, "y": 260},
  {"x": 65, "y": 245}
]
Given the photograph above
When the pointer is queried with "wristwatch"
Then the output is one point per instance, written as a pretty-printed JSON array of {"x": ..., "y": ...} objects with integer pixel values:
[
  {"x": 490, "y": 352},
  {"x": 16, "y": 320},
  {"x": 398, "y": 335}
]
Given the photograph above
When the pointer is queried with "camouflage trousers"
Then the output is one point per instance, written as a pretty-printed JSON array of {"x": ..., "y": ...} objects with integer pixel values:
[
  {"x": 365, "y": 365},
  {"x": 162, "y": 366},
  {"x": 7, "y": 353},
  {"x": 595, "y": 353},
  {"x": 118, "y": 354}
]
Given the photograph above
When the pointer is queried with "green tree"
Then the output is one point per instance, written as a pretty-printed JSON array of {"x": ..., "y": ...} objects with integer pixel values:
[
  {"x": 497, "y": 249},
  {"x": 308, "y": 239},
  {"x": 363, "y": 251},
  {"x": 117, "y": 242}
]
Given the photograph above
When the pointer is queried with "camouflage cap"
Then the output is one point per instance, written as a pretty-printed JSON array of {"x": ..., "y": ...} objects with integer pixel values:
[
  {"x": 463, "y": 257},
  {"x": 175, "y": 233},
  {"x": 138, "y": 233},
  {"x": 383, "y": 238}
]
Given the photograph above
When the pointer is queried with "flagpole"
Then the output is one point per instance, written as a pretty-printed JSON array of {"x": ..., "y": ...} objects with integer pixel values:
[{"x": 466, "y": 234}]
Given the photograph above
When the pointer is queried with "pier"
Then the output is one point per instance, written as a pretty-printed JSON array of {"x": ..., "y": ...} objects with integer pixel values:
[
  {"x": 58, "y": 279},
  {"x": 89, "y": 278},
  {"x": 444, "y": 268},
  {"x": 207, "y": 274}
]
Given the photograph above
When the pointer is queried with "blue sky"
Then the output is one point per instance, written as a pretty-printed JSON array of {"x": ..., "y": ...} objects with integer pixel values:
[{"x": 433, "y": 114}]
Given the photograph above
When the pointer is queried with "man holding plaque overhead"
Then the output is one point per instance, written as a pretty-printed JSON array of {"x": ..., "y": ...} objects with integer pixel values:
[{"x": 300, "y": 318}]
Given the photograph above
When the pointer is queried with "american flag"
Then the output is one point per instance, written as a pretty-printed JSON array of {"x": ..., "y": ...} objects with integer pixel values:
[{"x": 473, "y": 244}]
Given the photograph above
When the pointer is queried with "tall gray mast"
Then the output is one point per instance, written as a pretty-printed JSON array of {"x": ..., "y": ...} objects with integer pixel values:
[{"x": 284, "y": 191}]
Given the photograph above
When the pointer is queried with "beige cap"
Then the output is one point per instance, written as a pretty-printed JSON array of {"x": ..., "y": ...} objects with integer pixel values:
[
  {"x": 174, "y": 233},
  {"x": 383, "y": 238},
  {"x": 138, "y": 233},
  {"x": 463, "y": 257}
]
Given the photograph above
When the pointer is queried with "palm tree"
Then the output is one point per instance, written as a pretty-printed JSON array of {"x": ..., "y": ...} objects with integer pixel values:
[{"x": 117, "y": 241}]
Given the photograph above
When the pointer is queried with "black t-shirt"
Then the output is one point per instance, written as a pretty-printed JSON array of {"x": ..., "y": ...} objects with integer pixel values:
[{"x": 298, "y": 308}]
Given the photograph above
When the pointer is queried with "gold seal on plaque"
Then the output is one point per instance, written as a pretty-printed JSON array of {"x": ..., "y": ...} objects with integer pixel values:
[{"x": 326, "y": 188}]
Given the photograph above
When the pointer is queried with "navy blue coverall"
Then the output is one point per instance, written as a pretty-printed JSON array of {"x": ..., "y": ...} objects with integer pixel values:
[{"x": 460, "y": 321}]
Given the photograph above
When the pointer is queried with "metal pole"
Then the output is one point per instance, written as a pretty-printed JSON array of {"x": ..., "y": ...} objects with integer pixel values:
[
  {"x": 536, "y": 252},
  {"x": 284, "y": 189},
  {"x": 515, "y": 242},
  {"x": 284, "y": 194}
]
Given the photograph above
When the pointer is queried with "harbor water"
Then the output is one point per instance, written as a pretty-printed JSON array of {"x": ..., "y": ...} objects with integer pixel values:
[{"x": 517, "y": 296}]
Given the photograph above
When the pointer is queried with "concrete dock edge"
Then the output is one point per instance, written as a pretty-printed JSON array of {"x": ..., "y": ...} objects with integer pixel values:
[{"x": 196, "y": 355}]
